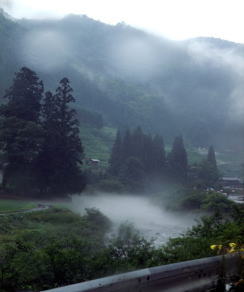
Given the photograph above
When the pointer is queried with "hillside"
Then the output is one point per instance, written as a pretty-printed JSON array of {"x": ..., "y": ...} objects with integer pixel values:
[{"x": 133, "y": 78}]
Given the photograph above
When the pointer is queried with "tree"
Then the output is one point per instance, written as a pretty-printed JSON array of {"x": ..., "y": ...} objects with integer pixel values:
[
  {"x": 137, "y": 149},
  {"x": 133, "y": 174},
  {"x": 115, "y": 160},
  {"x": 62, "y": 152},
  {"x": 158, "y": 155},
  {"x": 127, "y": 145},
  {"x": 137, "y": 144},
  {"x": 211, "y": 157},
  {"x": 177, "y": 160},
  {"x": 208, "y": 171},
  {"x": 24, "y": 96},
  {"x": 20, "y": 131}
]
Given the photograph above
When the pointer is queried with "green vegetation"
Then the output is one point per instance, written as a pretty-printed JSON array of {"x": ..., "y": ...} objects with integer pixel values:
[
  {"x": 53, "y": 248},
  {"x": 42, "y": 154},
  {"x": 138, "y": 159},
  {"x": 39, "y": 139},
  {"x": 198, "y": 200},
  {"x": 176, "y": 95},
  {"x": 194, "y": 157},
  {"x": 229, "y": 163},
  {"x": 90, "y": 118},
  {"x": 177, "y": 161},
  {"x": 7, "y": 206},
  {"x": 209, "y": 231},
  {"x": 97, "y": 143}
]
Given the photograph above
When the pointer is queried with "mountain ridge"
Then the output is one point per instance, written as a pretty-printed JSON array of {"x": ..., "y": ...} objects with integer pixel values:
[{"x": 134, "y": 78}]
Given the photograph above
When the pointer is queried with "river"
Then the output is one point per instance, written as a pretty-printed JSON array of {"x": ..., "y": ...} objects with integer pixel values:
[{"x": 150, "y": 219}]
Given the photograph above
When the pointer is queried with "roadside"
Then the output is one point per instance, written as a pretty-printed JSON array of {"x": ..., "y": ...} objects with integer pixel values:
[
  {"x": 12, "y": 205},
  {"x": 39, "y": 208}
]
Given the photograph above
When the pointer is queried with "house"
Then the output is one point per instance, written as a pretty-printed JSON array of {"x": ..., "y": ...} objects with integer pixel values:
[
  {"x": 94, "y": 161},
  {"x": 231, "y": 182}
]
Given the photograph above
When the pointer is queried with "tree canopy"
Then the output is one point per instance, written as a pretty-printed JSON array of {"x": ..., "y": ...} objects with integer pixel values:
[
  {"x": 62, "y": 152},
  {"x": 177, "y": 160},
  {"x": 39, "y": 138}
]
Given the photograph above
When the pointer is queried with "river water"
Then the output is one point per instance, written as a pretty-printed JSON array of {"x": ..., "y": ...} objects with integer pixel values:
[{"x": 150, "y": 219}]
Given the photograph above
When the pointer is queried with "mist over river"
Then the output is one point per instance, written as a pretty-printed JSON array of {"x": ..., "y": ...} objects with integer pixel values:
[{"x": 151, "y": 220}]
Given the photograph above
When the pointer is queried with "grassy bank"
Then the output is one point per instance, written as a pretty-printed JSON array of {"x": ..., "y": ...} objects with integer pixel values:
[
  {"x": 98, "y": 143},
  {"x": 55, "y": 247},
  {"x": 9, "y": 206}
]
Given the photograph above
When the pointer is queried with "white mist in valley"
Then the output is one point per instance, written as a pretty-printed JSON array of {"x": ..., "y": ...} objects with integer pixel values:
[{"x": 146, "y": 216}]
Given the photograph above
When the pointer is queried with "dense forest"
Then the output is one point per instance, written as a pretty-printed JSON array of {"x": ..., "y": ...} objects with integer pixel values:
[
  {"x": 42, "y": 150},
  {"x": 139, "y": 160},
  {"x": 39, "y": 136},
  {"x": 170, "y": 88},
  {"x": 140, "y": 102}
]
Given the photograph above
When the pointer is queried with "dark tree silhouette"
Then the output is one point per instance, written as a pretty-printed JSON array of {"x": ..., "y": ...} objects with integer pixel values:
[
  {"x": 62, "y": 152},
  {"x": 115, "y": 160},
  {"x": 177, "y": 160},
  {"x": 208, "y": 171},
  {"x": 137, "y": 149},
  {"x": 20, "y": 131},
  {"x": 211, "y": 157},
  {"x": 24, "y": 96}
]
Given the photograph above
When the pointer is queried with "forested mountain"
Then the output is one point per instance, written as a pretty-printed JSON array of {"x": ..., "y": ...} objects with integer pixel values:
[{"x": 132, "y": 78}]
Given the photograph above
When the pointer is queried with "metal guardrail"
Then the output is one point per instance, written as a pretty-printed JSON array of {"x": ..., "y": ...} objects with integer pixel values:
[{"x": 196, "y": 275}]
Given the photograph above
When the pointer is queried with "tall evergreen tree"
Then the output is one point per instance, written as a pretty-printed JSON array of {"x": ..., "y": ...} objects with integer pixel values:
[
  {"x": 20, "y": 131},
  {"x": 137, "y": 143},
  {"x": 158, "y": 155},
  {"x": 132, "y": 174},
  {"x": 211, "y": 157},
  {"x": 24, "y": 96},
  {"x": 115, "y": 160},
  {"x": 146, "y": 154},
  {"x": 61, "y": 156},
  {"x": 136, "y": 149},
  {"x": 127, "y": 145},
  {"x": 208, "y": 170},
  {"x": 177, "y": 160}
]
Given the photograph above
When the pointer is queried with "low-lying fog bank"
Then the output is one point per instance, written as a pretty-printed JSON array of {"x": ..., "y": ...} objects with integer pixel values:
[{"x": 151, "y": 220}]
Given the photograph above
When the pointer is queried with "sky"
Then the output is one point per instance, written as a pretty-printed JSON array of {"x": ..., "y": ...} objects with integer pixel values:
[{"x": 173, "y": 19}]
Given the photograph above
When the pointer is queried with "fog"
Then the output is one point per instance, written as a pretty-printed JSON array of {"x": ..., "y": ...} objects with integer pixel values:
[
  {"x": 228, "y": 58},
  {"x": 135, "y": 57},
  {"x": 6, "y": 4},
  {"x": 193, "y": 87},
  {"x": 146, "y": 216},
  {"x": 53, "y": 45},
  {"x": 46, "y": 49},
  {"x": 173, "y": 18}
]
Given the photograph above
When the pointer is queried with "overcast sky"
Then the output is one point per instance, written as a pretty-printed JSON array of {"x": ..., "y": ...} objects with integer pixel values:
[{"x": 174, "y": 19}]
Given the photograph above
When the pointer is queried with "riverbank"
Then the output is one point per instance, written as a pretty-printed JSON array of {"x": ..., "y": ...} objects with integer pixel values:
[
  {"x": 13, "y": 205},
  {"x": 56, "y": 247}
]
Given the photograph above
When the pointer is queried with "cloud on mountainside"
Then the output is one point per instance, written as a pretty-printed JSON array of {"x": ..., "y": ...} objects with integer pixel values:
[{"x": 6, "y": 4}]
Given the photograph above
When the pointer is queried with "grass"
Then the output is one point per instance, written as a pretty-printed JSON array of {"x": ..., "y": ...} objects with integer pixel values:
[
  {"x": 98, "y": 143},
  {"x": 194, "y": 156},
  {"x": 229, "y": 162},
  {"x": 8, "y": 206},
  {"x": 62, "y": 205},
  {"x": 37, "y": 225}
]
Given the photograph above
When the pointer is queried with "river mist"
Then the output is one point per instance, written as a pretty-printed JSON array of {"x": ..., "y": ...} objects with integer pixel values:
[{"x": 146, "y": 216}]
